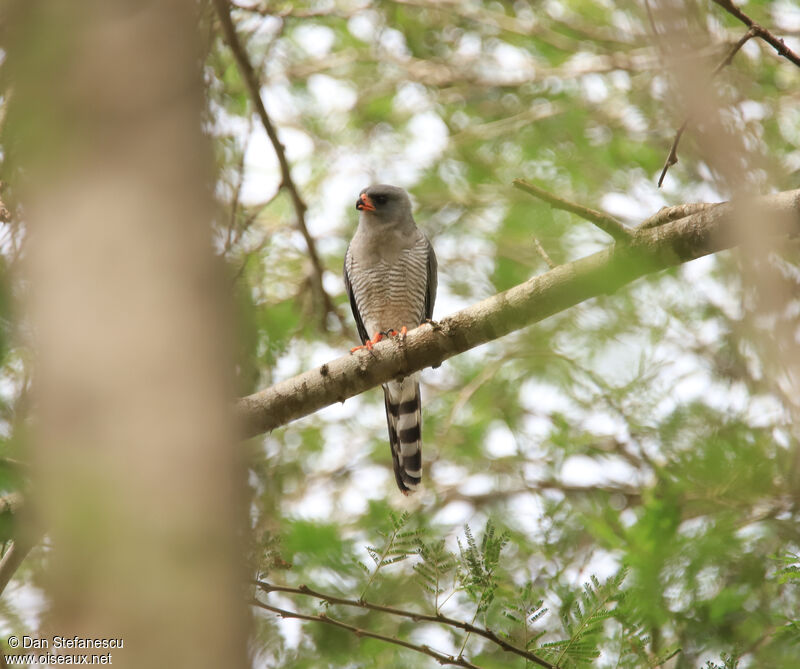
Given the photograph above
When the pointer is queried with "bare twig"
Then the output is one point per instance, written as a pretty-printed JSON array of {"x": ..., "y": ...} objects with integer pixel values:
[
  {"x": 455, "y": 494},
  {"x": 441, "y": 658},
  {"x": 540, "y": 250},
  {"x": 251, "y": 80},
  {"x": 22, "y": 544},
  {"x": 672, "y": 158},
  {"x": 775, "y": 42},
  {"x": 12, "y": 560},
  {"x": 653, "y": 25},
  {"x": 753, "y": 30},
  {"x": 230, "y": 238},
  {"x": 417, "y": 617},
  {"x": 295, "y": 13},
  {"x": 605, "y": 222}
]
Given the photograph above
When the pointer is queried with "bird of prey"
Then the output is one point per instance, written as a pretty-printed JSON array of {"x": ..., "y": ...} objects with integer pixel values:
[{"x": 390, "y": 276}]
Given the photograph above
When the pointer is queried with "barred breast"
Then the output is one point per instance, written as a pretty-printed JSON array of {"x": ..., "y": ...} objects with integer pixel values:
[{"x": 390, "y": 292}]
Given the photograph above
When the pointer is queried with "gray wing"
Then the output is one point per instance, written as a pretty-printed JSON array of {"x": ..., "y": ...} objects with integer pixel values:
[
  {"x": 362, "y": 331},
  {"x": 433, "y": 279}
]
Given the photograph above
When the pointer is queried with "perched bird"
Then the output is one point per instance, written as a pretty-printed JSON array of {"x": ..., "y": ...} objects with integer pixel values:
[{"x": 390, "y": 277}]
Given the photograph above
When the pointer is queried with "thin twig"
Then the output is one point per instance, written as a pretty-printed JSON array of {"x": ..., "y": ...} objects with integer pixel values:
[
  {"x": 672, "y": 158},
  {"x": 417, "y": 617},
  {"x": 237, "y": 191},
  {"x": 605, "y": 222},
  {"x": 295, "y": 13},
  {"x": 775, "y": 42},
  {"x": 250, "y": 78},
  {"x": 441, "y": 658},
  {"x": 653, "y": 25},
  {"x": 543, "y": 253},
  {"x": 25, "y": 538},
  {"x": 11, "y": 561}
]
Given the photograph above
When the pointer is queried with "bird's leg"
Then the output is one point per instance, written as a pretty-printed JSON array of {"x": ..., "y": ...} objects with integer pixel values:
[
  {"x": 434, "y": 324},
  {"x": 369, "y": 343},
  {"x": 394, "y": 333}
]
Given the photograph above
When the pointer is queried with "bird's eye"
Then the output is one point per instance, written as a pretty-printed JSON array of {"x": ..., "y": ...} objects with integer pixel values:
[{"x": 379, "y": 199}]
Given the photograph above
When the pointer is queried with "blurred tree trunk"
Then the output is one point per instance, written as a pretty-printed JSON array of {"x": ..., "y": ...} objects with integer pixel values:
[{"x": 138, "y": 482}]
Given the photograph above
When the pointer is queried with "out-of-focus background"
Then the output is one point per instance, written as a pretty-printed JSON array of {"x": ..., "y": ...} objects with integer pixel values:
[{"x": 646, "y": 439}]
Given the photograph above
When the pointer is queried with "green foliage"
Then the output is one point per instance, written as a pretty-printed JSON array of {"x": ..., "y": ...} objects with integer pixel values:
[
  {"x": 728, "y": 662},
  {"x": 437, "y": 571},
  {"x": 583, "y": 620},
  {"x": 398, "y": 545},
  {"x": 479, "y": 565}
]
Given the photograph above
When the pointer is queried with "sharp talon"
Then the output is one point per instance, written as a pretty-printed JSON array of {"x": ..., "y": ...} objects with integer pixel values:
[{"x": 369, "y": 343}]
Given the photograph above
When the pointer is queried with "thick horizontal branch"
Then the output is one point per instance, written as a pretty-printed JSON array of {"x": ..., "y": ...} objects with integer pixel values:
[
  {"x": 706, "y": 231},
  {"x": 416, "y": 617}
]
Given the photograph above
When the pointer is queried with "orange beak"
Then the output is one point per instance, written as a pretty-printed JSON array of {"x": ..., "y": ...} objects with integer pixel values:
[{"x": 365, "y": 203}]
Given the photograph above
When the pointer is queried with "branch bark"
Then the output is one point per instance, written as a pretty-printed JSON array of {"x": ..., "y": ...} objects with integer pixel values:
[{"x": 707, "y": 230}]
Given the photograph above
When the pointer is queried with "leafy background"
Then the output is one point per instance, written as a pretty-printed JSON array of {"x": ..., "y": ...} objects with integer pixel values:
[{"x": 616, "y": 486}]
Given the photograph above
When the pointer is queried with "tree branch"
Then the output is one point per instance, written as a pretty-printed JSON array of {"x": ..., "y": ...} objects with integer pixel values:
[
  {"x": 5, "y": 214},
  {"x": 22, "y": 544},
  {"x": 707, "y": 231},
  {"x": 11, "y": 561},
  {"x": 605, "y": 222},
  {"x": 775, "y": 42},
  {"x": 416, "y": 617},
  {"x": 672, "y": 158},
  {"x": 540, "y": 250},
  {"x": 253, "y": 87},
  {"x": 667, "y": 214},
  {"x": 753, "y": 30},
  {"x": 441, "y": 658}
]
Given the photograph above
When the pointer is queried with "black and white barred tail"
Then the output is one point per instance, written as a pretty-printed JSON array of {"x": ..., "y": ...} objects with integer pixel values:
[{"x": 404, "y": 417}]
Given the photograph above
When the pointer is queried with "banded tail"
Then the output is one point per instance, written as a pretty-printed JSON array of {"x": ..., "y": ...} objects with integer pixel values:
[{"x": 404, "y": 417}]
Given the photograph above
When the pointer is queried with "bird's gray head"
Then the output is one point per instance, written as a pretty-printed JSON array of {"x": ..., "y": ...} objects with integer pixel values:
[{"x": 384, "y": 204}]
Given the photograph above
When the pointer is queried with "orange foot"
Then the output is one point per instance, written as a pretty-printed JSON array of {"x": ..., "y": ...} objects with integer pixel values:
[
  {"x": 378, "y": 336},
  {"x": 369, "y": 343},
  {"x": 394, "y": 333}
]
